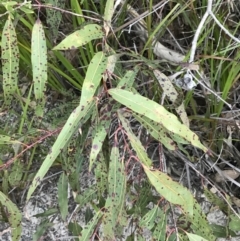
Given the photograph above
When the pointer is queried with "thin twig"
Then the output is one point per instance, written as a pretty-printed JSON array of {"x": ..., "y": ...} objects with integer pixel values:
[{"x": 200, "y": 27}]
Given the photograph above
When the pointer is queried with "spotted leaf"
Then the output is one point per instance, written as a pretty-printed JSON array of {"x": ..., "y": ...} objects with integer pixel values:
[{"x": 10, "y": 60}]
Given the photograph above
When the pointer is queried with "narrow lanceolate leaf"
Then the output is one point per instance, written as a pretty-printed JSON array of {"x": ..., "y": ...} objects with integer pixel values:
[
  {"x": 81, "y": 37},
  {"x": 77, "y": 116},
  {"x": 156, "y": 131},
  {"x": 108, "y": 13},
  {"x": 63, "y": 195},
  {"x": 179, "y": 195},
  {"x": 89, "y": 229},
  {"x": 99, "y": 136},
  {"x": 135, "y": 142},
  {"x": 161, "y": 227},
  {"x": 170, "y": 190},
  {"x": 93, "y": 77},
  {"x": 101, "y": 175},
  {"x": 114, "y": 207},
  {"x": 157, "y": 113},
  {"x": 10, "y": 60},
  {"x": 149, "y": 219},
  {"x": 39, "y": 65},
  {"x": 194, "y": 237},
  {"x": 14, "y": 216}
]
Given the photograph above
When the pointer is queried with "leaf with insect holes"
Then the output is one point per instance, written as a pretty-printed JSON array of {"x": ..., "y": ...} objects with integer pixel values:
[
  {"x": 89, "y": 229},
  {"x": 80, "y": 114},
  {"x": 114, "y": 207},
  {"x": 54, "y": 17},
  {"x": 14, "y": 216},
  {"x": 10, "y": 61},
  {"x": 81, "y": 37},
  {"x": 39, "y": 65},
  {"x": 62, "y": 195},
  {"x": 157, "y": 113}
]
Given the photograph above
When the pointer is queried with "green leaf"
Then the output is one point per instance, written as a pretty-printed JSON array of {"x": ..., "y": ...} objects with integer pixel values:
[
  {"x": 101, "y": 175},
  {"x": 148, "y": 220},
  {"x": 63, "y": 195},
  {"x": 10, "y": 60},
  {"x": 234, "y": 223},
  {"x": 135, "y": 142},
  {"x": 93, "y": 77},
  {"x": 81, "y": 37},
  {"x": 39, "y": 65},
  {"x": 194, "y": 237},
  {"x": 161, "y": 227},
  {"x": 75, "y": 228},
  {"x": 72, "y": 124},
  {"x": 108, "y": 15},
  {"x": 16, "y": 174},
  {"x": 14, "y": 216},
  {"x": 128, "y": 79},
  {"x": 170, "y": 190},
  {"x": 41, "y": 229},
  {"x": 47, "y": 213},
  {"x": 215, "y": 200},
  {"x": 156, "y": 131},
  {"x": 99, "y": 136},
  {"x": 114, "y": 207},
  {"x": 220, "y": 231},
  {"x": 8, "y": 140},
  {"x": 89, "y": 229},
  {"x": 179, "y": 195},
  {"x": 87, "y": 196},
  {"x": 26, "y": 10},
  {"x": 157, "y": 113}
]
